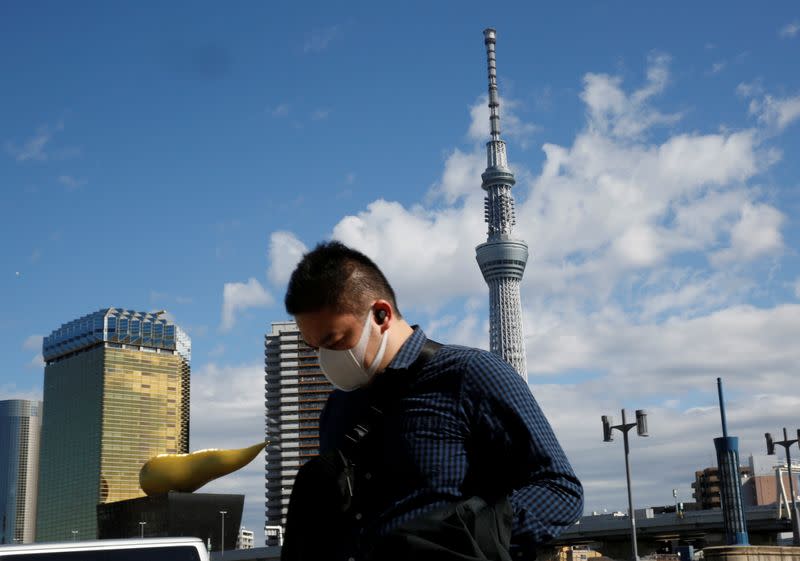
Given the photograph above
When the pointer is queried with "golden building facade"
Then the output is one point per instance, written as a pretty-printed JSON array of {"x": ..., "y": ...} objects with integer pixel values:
[{"x": 116, "y": 393}]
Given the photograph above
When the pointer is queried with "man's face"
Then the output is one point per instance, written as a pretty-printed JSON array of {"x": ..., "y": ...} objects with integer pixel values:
[{"x": 337, "y": 331}]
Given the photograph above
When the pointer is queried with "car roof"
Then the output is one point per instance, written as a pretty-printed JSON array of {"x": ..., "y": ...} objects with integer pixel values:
[{"x": 101, "y": 544}]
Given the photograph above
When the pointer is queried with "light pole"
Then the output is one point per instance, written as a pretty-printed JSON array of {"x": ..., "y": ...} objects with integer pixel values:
[
  {"x": 787, "y": 444},
  {"x": 641, "y": 429},
  {"x": 222, "y": 538},
  {"x": 675, "y": 496},
  {"x": 141, "y": 525}
]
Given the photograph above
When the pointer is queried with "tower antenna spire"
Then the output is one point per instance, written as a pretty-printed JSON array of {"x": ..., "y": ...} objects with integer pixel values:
[{"x": 490, "y": 39}]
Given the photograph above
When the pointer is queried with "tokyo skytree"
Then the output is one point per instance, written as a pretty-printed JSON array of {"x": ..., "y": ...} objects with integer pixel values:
[{"x": 502, "y": 258}]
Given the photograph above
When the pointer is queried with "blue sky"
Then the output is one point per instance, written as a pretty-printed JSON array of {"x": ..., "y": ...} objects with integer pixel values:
[{"x": 180, "y": 156}]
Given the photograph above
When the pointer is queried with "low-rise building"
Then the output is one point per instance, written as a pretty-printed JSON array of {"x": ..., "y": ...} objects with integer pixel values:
[
  {"x": 246, "y": 539},
  {"x": 706, "y": 486}
]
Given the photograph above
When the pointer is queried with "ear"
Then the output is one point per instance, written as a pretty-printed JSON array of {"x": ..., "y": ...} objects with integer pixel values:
[{"x": 383, "y": 313}]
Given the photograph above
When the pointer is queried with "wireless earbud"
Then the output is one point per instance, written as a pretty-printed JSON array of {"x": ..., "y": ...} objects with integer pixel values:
[{"x": 380, "y": 316}]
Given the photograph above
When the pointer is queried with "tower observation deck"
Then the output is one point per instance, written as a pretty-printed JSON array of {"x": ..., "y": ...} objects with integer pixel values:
[{"x": 503, "y": 257}]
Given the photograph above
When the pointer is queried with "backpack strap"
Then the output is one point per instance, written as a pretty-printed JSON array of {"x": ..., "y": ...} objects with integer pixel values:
[{"x": 361, "y": 429}]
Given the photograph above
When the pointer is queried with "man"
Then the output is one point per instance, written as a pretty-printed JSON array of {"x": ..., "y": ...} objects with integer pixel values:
[{"x": 456, "y": 454}]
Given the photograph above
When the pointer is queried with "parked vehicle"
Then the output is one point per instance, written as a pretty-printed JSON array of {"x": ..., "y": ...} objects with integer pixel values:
[{"x": 148, "y": 549}]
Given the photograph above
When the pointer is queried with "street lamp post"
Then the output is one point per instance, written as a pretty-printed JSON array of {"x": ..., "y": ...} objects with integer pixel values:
[
  {"x": 641, "y": 429},
  {"x": 222, "y": 537},
  {"x": 787, "y": 444},
  {"x": 675, "y": 496},
  {"x": 141, "y": 526}
]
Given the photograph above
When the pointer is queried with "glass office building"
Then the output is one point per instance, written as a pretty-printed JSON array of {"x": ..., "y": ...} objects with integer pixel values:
[
  {"x": 296, "y": 391},
  {"x": 20, "y": 424},
  {"x": 116, "y": 393}
]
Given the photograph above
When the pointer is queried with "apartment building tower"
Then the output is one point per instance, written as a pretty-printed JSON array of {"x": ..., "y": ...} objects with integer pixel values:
[{"x": 295, "y": 392}]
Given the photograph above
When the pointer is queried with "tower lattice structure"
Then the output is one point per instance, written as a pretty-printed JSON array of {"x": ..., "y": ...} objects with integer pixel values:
[{"x": 503, "y": 257}]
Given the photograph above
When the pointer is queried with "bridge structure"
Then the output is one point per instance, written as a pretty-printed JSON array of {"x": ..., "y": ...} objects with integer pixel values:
[{"x": 610, "y": 533}]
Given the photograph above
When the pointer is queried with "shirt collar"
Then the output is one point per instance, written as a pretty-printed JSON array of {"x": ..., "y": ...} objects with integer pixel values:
[{"x": 409, "y": 351}]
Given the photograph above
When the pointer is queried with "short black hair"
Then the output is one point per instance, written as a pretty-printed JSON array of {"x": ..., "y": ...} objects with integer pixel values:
[{"x": 336, "y": 277}]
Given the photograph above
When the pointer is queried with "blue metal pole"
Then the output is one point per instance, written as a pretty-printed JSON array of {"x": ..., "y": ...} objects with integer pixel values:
[
  {"x": 730, "y": 485},
  {"x": 722, "y": 408}
]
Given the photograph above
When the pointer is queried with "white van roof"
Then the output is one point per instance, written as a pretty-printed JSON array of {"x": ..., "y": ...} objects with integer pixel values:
[{"x": 95, "y": 545}]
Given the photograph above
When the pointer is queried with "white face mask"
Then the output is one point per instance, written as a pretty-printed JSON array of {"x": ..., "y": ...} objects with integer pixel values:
[{"x": 345, "y": 369}]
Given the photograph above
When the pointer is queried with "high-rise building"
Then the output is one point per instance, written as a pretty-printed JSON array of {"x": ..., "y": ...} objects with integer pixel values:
[
  {"x": 296, "y": 391},
  {"x": 116, "y": 393},
  {"x": 20, "y": 424},
  {"x": 503, "y": 257}
]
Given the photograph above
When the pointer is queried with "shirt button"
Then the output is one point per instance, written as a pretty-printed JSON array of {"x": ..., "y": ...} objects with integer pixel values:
[
  {"x": 368, "y": 475},
  {"x": 358, "y": 516}
]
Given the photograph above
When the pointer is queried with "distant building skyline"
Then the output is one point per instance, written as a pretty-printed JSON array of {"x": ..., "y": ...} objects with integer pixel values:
[
  {"x": 295, "y": 393},
  {"x": 764, "y": 487},
  {"x": 759, "y": 482},
  {"x": 706, "y": 486},
  {"x": 116, "y": 393},
  {"x": 20, "y": 428}
]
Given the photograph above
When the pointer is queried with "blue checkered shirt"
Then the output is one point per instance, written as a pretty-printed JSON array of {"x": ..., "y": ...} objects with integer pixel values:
[{"x": 466, "y": 424}]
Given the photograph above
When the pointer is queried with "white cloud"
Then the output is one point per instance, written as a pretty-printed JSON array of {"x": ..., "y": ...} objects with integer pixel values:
[
  {"x": 790, "y": 29},
  {"x": 406, "y": 242},
  {"x": 320, "y": 114},
  {"x": 281, "y": 110},
  {"x": 33, "y": 343},
  {"x": 217, "y": 351},
  {"x": 37, "y": 362},
  {"x": 34, "y": 148},
  {"x": 71, "y": 183},
  {"x": 285, "y": 252},
  {"x": 231, "y": 398},
  {"x": 320, "y": 39},
  {"x": 750, "y": 345},
  {"x": 510, "y": 124},
  {"x": 239, "y": 296},
  {"x": 756, "y": 233},
  {"x": 461, "y": 176},
  {"x": 613, "y": 112},
  {"x": 228, "y": 412},
  {"x": 776, "y": 113},
  {"x": 718, "y": 67},
  {"x": 750, "y": 89},
  {"x": 603, "y": 206},
  {"x": 11, "y": 391},
  {"x": 797, "y": 288}
]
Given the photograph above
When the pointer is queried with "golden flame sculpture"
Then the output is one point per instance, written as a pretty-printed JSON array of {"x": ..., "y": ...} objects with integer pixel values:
[{"x": 189, "y": 472}]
